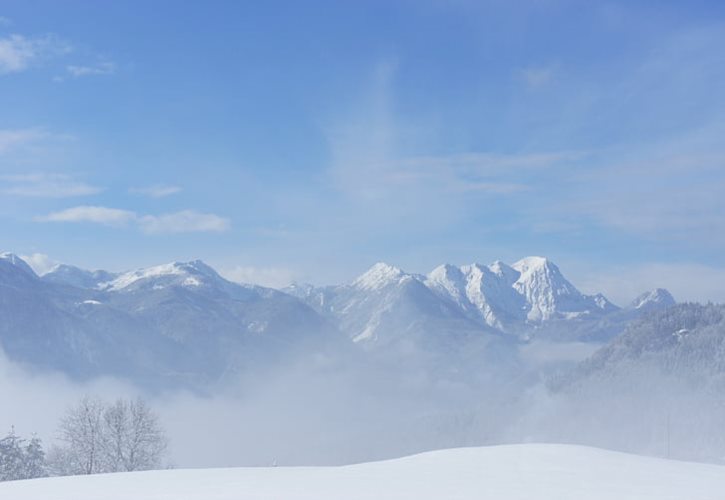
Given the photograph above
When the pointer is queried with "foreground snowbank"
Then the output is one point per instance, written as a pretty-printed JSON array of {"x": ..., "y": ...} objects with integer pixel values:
[{"x": 526, "y": 471}]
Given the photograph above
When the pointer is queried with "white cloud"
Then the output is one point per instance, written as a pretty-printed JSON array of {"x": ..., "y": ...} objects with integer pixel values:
[
  {"x": 486, "y": 163},
  {"x": 666, "y": 192},
  {"x": 102, "y": 68},
  {"x": 538, "y": 76},
  {"x": 88, "y": 213},
  {"x": 491, "y": 187},
  {"x": 426, "y": 176},
  {"x": 40, "y": 262},
  {"x": 44, "y": 185},
  {"x": 159, "y": 191},
  {"x": 14, "y": 138},
  {"x": 18, "y": 52},
  {"x": 185, "y": 221},
  {"x": 272, "y": 277},
  {"x": 371, "y": 161}
]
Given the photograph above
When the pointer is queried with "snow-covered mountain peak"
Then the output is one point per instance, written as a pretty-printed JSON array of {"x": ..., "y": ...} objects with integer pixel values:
[
  {"x": 448, "y": 280},
  {"x": 14, "y": 260},
  {"x": 501, "y": 269},
  {"x": 75, "y": 276},
  {"x": 445, "y": 272},
  {"x": 188, "y": 274},
  {"x": 379, "y": 276},
  {"x": 540, "y": 273},
  {"x": 658, "y": 298},
  {"x": 532, "y": 264},
  {"x": 549, "y": 294},
  {"x": 198, "y": 267}
]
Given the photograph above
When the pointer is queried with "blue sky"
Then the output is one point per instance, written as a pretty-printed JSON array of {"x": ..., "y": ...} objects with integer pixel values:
[{"x": 308, "y": 140}]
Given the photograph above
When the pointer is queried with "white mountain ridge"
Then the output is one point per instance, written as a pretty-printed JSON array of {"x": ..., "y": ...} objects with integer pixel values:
[
  {"x": 180, "y": 322},
  {"x": 188, "y": 274},
  {"x": 507, "y": 298},
  {"x": 14, "y": 260},
  {"x": 454, "y": 312}
]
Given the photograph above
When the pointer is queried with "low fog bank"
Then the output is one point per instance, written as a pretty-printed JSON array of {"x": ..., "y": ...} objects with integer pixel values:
[
  {"x": 306, "y": 413},
  {"x": 302, "y": 412},
  {"x": 645, "y": 412}
]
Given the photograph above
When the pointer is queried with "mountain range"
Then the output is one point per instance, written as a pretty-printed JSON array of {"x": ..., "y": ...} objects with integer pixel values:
[
  {"x": 183, "y": 322},
  {"x": 530, "y": 298}
]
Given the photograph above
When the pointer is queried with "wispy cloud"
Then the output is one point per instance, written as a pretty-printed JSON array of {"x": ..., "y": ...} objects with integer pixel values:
[
  {"x": 501, "y": 188},
  {"x": 667, "y": 192},
  {"x": 45, "y": 185},
  {"x": 18, "y": 52},
  {"x": 4, "y": 21},
  {"x": 102, "y": 68},
  {"x": 538, "y": 76},
  {"x": 185, "y": 221},
  {"x": 485, "y": 173},
  {"x": 40, "y": 262},
  {"x": 371, "y": 161},
  {"x": 14, "y": 138},
  {"x": 479, "y": 168},
  {"x": 89, "y": 213},
  {"x": 158, "y": 191},
  {"x": 272, "y": 277}
]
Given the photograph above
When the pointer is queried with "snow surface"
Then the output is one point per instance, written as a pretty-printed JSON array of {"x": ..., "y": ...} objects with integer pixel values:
[{"x": 510, "y": 472}]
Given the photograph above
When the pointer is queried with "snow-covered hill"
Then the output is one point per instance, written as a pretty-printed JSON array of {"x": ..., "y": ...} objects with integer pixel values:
[
  {"x": 686, "y": 341},
  {"x": 511, "y": 472},
  {"x": 658, "y": 388}
]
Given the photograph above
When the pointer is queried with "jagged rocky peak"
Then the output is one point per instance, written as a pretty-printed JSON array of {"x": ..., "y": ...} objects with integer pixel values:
[
  {"x": 449, "y": 281},
  {"x": 540, "y": 275},
  {"x": 379, "y": 276},
  {"x": 445, "y": 271},
  {"x": 503, "y": 270},
  {"x": 15, "y": 261},
  {"x": 659, "y": 298},
  {"x": 544, "y": 287},
  {"x": 447, "y": 277},
  {"x": 535, "y": 264}
]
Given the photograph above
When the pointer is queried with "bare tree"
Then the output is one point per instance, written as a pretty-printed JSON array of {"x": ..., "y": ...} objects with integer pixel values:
[
  {"x": 123, "y": 436},
  {"x": 134, "y": 437},
  {"x": 82, "y": 432}
]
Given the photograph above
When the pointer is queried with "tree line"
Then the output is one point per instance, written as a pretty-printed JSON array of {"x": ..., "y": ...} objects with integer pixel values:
[{"x": 93, "y": 437}]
